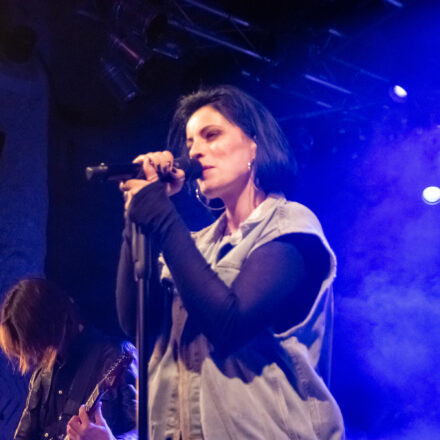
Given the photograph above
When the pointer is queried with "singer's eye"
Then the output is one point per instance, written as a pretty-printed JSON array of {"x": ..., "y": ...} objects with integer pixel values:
[{"x": 212, "y": 135}]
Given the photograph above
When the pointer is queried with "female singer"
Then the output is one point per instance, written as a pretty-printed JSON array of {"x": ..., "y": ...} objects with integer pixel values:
[{"x": 242, "y": 310}]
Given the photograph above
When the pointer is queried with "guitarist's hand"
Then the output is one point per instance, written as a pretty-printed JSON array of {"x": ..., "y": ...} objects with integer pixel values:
[{"x": 81, "y": 427}]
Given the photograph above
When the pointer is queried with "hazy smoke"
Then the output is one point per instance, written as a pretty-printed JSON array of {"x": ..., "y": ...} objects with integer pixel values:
[{"x": 388, "y": 310}]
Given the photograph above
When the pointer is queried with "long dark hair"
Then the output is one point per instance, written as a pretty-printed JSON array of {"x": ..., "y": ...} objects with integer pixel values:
[
  {"x": 37, "y": 319},
  {"x": 275, "y": 164}
]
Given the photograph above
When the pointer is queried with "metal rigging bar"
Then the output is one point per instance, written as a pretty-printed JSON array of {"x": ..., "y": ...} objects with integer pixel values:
[
  {"x": 218, "y": 12},
  {"x": 207, "y": 36}
]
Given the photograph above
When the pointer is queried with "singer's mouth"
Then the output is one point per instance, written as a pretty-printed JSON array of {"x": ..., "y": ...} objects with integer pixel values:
[{"x": 205, "y": 169}]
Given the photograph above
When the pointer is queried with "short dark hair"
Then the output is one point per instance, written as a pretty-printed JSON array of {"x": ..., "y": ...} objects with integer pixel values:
[
  {"x": 275, "y": 164},
  {"x": 37, "y": 319}
]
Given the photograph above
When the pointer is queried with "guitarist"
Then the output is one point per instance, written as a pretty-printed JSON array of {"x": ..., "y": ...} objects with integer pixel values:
[{"x": 42, "y": 332}]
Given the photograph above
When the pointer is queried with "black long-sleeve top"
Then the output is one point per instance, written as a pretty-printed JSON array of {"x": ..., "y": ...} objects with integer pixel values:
[{"x": 276, "y": 286}]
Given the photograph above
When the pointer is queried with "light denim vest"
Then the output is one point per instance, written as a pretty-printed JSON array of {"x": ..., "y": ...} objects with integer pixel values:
[{"x": 273, "y": 388}]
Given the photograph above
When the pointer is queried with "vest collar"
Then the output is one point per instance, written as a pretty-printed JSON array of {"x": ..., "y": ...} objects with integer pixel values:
[{"x": 267, "y": 207}]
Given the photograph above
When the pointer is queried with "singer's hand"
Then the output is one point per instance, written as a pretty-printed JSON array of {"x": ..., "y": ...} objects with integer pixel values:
[{"x": 158, "y": 165}]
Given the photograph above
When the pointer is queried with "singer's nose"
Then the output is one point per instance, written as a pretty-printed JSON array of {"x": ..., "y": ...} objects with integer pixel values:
[{"x": 195, "y": 152}]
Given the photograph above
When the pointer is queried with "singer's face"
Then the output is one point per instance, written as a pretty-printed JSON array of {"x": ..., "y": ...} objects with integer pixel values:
[{"x": 224, "y": 151}]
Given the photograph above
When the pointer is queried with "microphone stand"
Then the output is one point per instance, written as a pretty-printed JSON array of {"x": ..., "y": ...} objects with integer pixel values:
[
  {"x": 141, "y": 250},
  {"x": 142, "y": 254}
]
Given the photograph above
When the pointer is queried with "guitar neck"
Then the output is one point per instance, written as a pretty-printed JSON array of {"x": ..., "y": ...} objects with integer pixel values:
[{"x": 93, "y": 400}]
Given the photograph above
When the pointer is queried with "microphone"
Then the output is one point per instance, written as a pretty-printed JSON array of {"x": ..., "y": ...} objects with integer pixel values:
[{"x": 122, "y": 171}]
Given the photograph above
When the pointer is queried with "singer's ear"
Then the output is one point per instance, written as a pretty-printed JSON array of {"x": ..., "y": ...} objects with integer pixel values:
[{"x": 253, "y": 149}]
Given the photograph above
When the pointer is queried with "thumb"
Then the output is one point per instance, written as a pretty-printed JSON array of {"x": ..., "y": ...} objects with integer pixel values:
[{"x": 99, "y": 419}]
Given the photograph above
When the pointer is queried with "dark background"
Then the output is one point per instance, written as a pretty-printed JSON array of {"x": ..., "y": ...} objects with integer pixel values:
[{"x": 324, "y": 68}]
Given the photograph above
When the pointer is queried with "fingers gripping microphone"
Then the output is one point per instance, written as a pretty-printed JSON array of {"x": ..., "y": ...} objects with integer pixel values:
[{"x": 123, "y": 171}]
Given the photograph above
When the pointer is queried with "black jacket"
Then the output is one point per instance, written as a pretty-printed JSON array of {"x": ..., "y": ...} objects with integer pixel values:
[{"x": 54, "y": 394}]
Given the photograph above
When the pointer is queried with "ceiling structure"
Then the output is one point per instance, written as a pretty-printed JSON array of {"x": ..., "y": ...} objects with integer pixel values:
[{"x": 310, "y": 61}]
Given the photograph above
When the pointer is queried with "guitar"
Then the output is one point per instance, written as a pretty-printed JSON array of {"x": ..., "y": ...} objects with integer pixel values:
[{"x": 109, "y": 381}]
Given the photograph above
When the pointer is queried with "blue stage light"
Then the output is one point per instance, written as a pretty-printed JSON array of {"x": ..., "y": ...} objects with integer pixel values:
[
  {"x": 398, "y": 93},
  {"x": 431, "y": 195}
]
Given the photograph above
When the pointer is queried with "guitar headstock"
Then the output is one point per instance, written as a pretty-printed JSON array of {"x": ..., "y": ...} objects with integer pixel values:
[
  {"x": 109, "y": 380},
  {"x": 115, "y": 371}
]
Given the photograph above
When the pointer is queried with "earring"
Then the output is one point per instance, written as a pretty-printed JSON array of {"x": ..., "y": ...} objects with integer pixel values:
[
  {"x": 254, "y": 179},
  {"x": 202, "y": 199}
]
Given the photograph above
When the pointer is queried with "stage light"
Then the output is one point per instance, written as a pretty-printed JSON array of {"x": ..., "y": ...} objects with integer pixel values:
[
  {"x": 400, "y": 91},
  {"x": 431, "y": 195},
  {"x": 130, "y": 51},
  {"x": 398, "y": 94},
  {"x": 147, "y": 22},
  {"x": 120, "y": 84}
]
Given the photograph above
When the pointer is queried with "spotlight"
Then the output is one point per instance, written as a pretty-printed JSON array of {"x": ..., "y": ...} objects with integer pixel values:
[
  {"x": 431, "y": 195},
  {"x": 121, "y": 85},
  {"x": 130, "y": 51},
  {"x": 144, "y": 21},
  {"x": 398, "y": 94}
]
